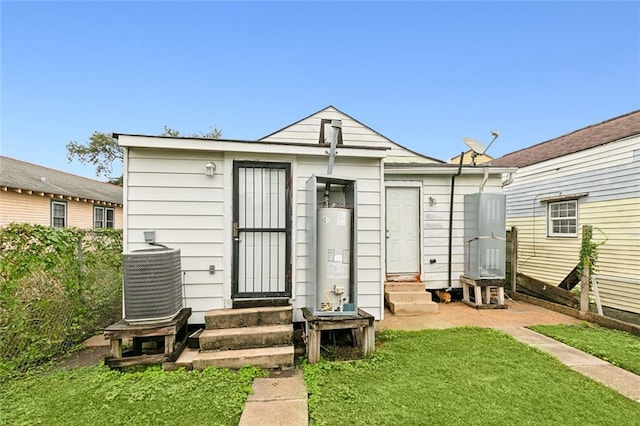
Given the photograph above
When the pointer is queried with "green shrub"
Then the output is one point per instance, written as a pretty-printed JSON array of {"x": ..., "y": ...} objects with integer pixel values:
[{"x": 57, "y": 287}]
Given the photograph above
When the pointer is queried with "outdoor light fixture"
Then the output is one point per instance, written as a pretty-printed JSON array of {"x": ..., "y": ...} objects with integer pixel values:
[{"x": 209, "y": 168}]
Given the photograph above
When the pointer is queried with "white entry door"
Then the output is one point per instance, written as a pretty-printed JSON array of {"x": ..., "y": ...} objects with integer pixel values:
[{"x": 403, "y": 230}]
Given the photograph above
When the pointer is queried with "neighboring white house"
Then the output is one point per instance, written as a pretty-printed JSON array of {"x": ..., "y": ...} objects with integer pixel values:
[
  {"x": 588, "y": 177},
  {"x": 255, "y": 198}
]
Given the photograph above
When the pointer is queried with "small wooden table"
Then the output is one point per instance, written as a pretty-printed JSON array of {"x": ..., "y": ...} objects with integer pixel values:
[
  {"x": 173, "y": 331},
  {"x": 478, "y": 285},
  {"x": 362, "y": 321}
]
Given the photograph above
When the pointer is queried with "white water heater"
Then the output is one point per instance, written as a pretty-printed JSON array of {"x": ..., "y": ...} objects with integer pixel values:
[{"x": 334, "y": 260}]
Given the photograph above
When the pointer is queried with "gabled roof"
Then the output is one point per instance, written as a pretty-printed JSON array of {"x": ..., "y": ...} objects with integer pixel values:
[
  {"x": 597, "y": 134},
  {"x": 334, "y": 109},
  {"x": 23, "y": 176}
]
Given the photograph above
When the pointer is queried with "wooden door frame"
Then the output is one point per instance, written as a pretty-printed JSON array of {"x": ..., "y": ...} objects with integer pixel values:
[{"x": 408, "y": 184}]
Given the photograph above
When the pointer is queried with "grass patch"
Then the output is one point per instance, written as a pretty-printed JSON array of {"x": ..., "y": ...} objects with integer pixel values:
[
  {"x": 617, "y": 347},
  {"x": 459, "y": 376},
  {"x": 100, "y": 396}
]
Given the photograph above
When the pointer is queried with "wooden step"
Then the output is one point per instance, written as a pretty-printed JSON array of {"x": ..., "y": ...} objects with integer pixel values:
[
  {"x": 248, "y": 317},
  {"x": 413, "y": 308},
  {"x": 269, "y": 358},
  {"x": 407, "y": 296},
  {"x": 397, "y": 287},
  {"x": 246, "y": 337}
]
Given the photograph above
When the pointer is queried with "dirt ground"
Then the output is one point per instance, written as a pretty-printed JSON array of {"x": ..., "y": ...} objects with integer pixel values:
[{"x": 455, "y": 314}]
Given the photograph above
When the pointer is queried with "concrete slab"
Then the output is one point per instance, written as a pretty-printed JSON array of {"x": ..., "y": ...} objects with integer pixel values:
[
  {"x": 457, "y": 314},
  {"x": 275, "y": 413},
  {"x": 626, "y": 383},
  {"x": 277, "y": 401},
  {"x": 270, "y": 389},
  {"x": 622, "y": 381},
  {"x": 568, "y": 355},
  {"x": 526, "y": 336}
]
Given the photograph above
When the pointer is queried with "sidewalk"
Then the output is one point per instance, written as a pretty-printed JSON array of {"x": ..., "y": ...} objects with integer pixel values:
[
  {"x": 622, "y": 381},
  {"x": 277, "y": 401}
]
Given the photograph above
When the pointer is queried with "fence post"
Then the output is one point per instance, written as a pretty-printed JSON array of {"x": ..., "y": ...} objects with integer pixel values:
[
  {"x": 584, "y": 279},
  {"x": 514, "y": 259}
]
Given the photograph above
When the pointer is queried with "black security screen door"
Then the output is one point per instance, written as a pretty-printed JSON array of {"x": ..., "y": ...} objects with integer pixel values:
[{"x": 261, "y": 230}]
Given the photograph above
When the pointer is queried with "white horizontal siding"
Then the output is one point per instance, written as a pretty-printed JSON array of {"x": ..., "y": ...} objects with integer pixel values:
[
  {"x": 168, "y": 192},
  {"x": 616, "y": 222},
  {"x": 435, "y": 223},
  {"x": 353, "y": 134},
  {"x": 607, "y": 172},
  {"x": 369, "y": 234}
]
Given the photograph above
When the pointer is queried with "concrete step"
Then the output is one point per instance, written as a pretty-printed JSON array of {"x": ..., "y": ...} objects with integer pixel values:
[
  {"x": 407, "y": 296},
  {"x": 413, "y": 308},
  {"x": 185, "y": 360},
  {"x": 246, "y": 337},
  {"x": 248, "y": 317},
  {"x": 269, "y": 358},
  {"x": 397, "y": 287}
]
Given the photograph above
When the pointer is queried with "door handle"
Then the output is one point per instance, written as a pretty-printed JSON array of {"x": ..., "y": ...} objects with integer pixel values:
[{"x": 386, "y": 234}]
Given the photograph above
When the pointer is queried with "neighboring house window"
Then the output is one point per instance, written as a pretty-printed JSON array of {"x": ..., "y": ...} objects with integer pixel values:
[
  {"x": 103, "y": 217},
  {"x": 58, "y": 214},
  {"x": 563, "y": 218},
  {"x": 326, "y": 132}
]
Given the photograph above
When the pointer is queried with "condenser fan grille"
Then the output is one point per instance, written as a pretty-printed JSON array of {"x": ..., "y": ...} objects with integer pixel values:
[{"x": 152, "y": 285}]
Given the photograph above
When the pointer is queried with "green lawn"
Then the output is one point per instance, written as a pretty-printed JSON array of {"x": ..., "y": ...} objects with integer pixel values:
[
  {"x": 99, "y": 396},
  {"x": 615, "y": 346},
  {"x": 459, "y": 376}
]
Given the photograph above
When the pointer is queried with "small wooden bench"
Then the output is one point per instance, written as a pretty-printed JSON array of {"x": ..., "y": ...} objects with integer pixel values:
[
  {"x": 363, "y": 322},
  {"x": 174, "y": 332},
  {"x": 478, "y": 285}
]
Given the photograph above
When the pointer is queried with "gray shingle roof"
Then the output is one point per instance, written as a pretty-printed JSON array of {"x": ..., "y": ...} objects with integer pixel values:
[
  {"x": 26, "y": 176},
  {"x": 597, "y": 134}
]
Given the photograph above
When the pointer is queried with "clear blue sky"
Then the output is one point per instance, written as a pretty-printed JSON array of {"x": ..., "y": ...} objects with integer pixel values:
[{"x": 424, "y": 74}]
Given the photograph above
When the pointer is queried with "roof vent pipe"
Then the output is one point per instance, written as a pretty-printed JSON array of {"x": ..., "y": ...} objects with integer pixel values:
[{"x": 336, "y": 125}]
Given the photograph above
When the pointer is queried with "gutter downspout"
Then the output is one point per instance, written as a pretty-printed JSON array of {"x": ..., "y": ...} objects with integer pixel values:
[
  {"x": 484, "y": 179},
  {"x": 453, "y": 185}
]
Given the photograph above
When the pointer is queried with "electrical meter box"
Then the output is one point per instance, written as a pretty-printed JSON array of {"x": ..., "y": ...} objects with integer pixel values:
[
  {"x": 484, "y": 235},
  {"x": 331, "y": 215}
]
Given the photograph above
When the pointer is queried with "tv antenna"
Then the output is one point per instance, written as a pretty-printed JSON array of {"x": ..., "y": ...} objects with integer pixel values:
[{"x": 477, "y": 147}]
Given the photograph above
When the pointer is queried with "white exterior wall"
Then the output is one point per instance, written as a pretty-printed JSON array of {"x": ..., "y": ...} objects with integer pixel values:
[
  {"x": 167, "y": 191},
  {"x": 435, "y": 222},
  {"x": 610, "y": 175}
]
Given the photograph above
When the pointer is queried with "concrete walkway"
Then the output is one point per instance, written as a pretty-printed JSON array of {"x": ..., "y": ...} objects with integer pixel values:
[
  {"x": 277, "y": 401},
  {"x": 622, "y": 381}
]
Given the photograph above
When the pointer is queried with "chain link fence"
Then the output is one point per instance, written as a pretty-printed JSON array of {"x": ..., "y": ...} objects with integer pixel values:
[{"x": 57, "y": 287}]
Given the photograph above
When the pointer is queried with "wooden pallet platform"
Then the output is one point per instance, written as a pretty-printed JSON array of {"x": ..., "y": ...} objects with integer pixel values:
[
  {"x": 478, "y": 285},
  {"x": 172, "y": 333},
  {"x": 363, "y": 322}
]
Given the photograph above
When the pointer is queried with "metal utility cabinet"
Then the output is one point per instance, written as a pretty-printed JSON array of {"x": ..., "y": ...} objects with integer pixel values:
[
  {"x": 331, "y": 224},
  {"x": 484, "y": 235}
]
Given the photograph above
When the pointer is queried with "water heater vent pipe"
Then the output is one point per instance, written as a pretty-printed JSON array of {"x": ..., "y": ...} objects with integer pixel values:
[{"x": 336, "y": 125}]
